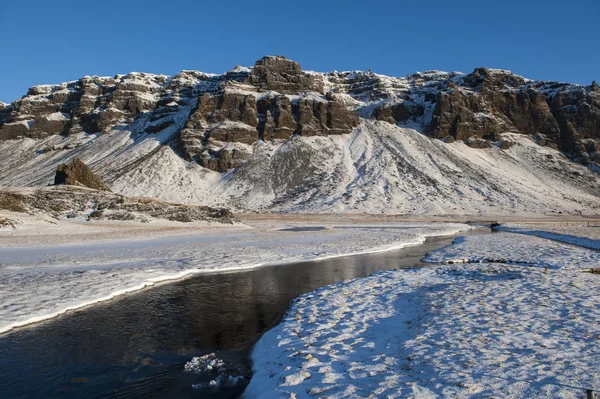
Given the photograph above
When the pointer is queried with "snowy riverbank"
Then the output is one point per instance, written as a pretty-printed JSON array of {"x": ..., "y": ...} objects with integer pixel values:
[
  {"x": 40, "y": 282},
  {"x": 523, "y": 328}
]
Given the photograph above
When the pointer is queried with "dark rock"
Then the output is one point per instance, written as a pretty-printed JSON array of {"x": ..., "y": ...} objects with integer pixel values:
[
  {"x": 321, "y": 118},
  {"x": 578, "y": 116},
  {"x": 215, "y": 109},
  {"x": 78, "y": 173},
  {"x": 282, "y": 75},
  {"x": 101, "y": 121},
  {"x": 398, "y": 112},
  {"x": 475, "y": 142},
  {"x": 462, "y": 116},
  {"x": 222, "y": 160},
  {"x": 486, "y": 79},
  {"x": 540, "y": 139},
  {"x": 13, "y": 130},
  {"x": 276, "y": 119},
  {"x": 51, "y": 124},
  {"x": 504, "y": 144}
]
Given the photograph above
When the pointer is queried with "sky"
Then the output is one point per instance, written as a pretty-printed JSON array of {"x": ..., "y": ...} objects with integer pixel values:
[{"x": 47, "y": 42}]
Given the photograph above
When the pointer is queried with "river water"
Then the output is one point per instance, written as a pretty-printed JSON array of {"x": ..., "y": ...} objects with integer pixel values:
[{"x": 137, "y": 345}]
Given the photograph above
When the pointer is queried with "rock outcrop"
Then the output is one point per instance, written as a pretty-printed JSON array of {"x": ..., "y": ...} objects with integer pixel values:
[
  {"x": 277, "y": 73},
  {"x": 268, "y": 105},
  {"x": 72, "y": 202},
  {"x": 491, "y": 102},
  {"x": 488, "y": 102},
  {"x": 77, "y": 173}
]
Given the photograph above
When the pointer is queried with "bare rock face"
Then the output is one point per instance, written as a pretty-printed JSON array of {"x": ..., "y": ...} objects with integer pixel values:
[
  {"x": 78, "y": 173},
  {"x": 463, "y": 115},
  {"x": 276, "y": 118},
  {"x": 239, "y": 112},
  {"x": 578, "y": 115},
  {"x": 398, "y": 112},
  {"x": 323, "y": 118},
  {"x": 277, "y": 73},
  {"x": 489, "y": 103}
]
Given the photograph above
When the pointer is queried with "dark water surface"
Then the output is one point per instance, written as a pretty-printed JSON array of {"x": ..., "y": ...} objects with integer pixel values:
[{"x": 137, "y": 345}]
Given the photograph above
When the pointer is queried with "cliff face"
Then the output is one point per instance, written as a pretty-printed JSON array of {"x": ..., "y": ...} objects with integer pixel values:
[
  {"x": 213, "y": 120},
  {"x": 487, "y": 103}
]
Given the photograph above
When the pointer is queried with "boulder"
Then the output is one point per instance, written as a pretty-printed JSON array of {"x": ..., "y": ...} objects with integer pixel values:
[
  {"x": 504, "y": 144},
  {"x": 475, "y": 142},
  {"x": 77, "y": 173}
]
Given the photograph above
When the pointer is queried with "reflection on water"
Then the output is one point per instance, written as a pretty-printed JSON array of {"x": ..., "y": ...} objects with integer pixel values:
[{"x": 138, "y": 344}]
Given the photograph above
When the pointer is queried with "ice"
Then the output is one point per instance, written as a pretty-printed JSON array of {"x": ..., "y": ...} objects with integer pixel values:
[
  {"x": 205, "y": 363},
  {"x": 474, "y": 330},
  {"x": 210, "y": 365}
]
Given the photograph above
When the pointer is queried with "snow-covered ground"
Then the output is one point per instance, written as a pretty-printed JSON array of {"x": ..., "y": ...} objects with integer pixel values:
[
  {"x": 525, "y": 328},
  {"x": 40, "y": 281}
]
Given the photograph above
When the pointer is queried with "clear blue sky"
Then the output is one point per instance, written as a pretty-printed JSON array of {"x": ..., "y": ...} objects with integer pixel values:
[{"x": 53, "y": 41}]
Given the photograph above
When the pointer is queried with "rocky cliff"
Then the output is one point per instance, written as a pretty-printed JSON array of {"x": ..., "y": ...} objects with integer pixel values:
[
  {"x": 276, "y": 99},
  {"x": 218, "y": 122}
]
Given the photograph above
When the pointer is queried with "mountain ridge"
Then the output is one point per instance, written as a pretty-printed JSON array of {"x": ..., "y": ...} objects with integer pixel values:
[{"x": 217, "y": 139}]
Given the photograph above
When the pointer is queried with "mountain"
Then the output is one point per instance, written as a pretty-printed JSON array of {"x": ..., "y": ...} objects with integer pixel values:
[{"x": 276, "y": 138}]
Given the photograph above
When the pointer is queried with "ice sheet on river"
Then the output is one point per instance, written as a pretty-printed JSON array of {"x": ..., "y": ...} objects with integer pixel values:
[
  {"x": 524, "y": 329},
  {"x": 39, "y": 283}
]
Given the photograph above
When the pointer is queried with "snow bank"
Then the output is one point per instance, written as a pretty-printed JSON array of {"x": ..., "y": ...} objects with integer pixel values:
[
  {"x": 571, "y": 235},
  {"x": 461, "y": 331},
  {"x": 42, "y": 282},
  {"x": 508, "y": 248}
]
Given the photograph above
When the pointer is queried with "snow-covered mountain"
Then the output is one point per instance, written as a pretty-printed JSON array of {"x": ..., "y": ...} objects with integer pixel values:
[{"x": 276, "y": 138}]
